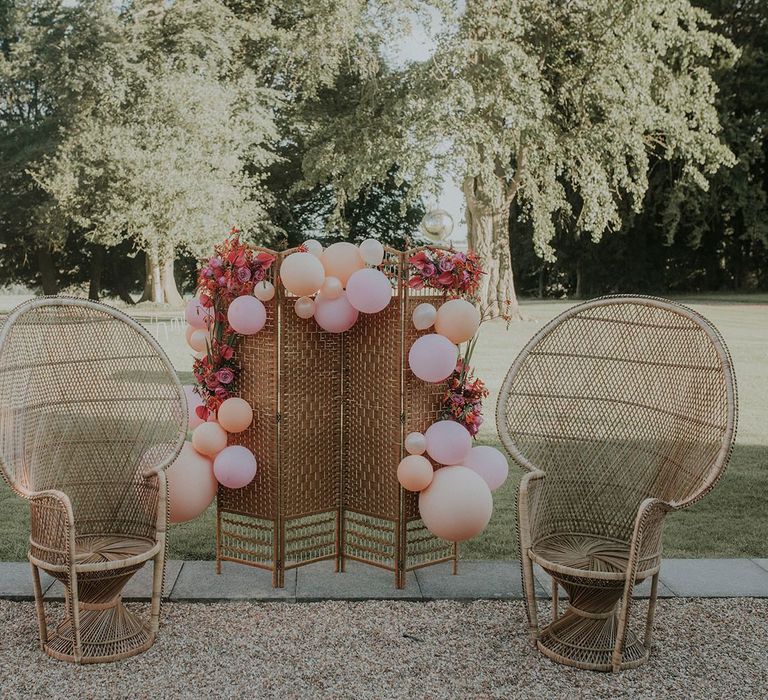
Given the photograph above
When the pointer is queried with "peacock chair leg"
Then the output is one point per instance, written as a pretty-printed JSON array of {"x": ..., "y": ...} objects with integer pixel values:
[
  {"x": 651, "y": 610},
  {"x": 39, "y": 607},
  {"x": 529, "y": 589}
]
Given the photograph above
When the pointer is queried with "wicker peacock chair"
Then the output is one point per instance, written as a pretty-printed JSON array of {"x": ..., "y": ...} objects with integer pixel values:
[
  {"x": 621, "y": 410},
  {"x": 91, "y": 414}
]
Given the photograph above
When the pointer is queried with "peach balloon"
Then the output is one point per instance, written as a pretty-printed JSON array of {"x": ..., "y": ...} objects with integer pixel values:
[
  {"x": 234, "y": 415},
  {"x": 335, "y": 315},
  {"x": 331, "y": 288},
  {"x": 448, "y": 442},
  {"x": 193, "y": 401},
  {"x": 369, "y": 291},
  {"x": 264, "y": 291},
  {"x": 423, "y": 316},
  {"x": 415, "y": 443},
  {"x": 457, "y": 505},
  {"x": 314, "y": 247},
  {"x": 209, "y": 439},
  {"x": 372, "y": 252},
  {"x": 196, "y": 314},
  {"x": 235, "y": 467},
  {"x": 433, "y": 357},
  {"x": 191, "y": 484},
  {"x": 198, "y": 339},
  {"x": 304, "y": 307},
  {"x": 302, "y": 274},
  {"x": 341, "y": 260},
  {"x": 457, "y": 320},
  {"x": 489, "y": 463},
  {"x": 415, "y": 472},
  {"x": 247, "y": 315}
]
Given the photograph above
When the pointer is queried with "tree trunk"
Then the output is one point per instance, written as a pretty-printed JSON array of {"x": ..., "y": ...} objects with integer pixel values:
[
  {"x": 153, "y": 288},
  {"x": 579, "y": 294},
  {"x": 47, "y": 271},
  {"x": 97, "y": 268},
  {"x": 168, "y": 281}
]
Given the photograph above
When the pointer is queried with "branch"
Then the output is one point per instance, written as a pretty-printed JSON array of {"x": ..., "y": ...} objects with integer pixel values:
[{"x": 514, "y": 184}]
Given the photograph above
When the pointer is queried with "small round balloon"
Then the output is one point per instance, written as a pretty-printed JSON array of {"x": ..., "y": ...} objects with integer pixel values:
[
  {"x": 235, "y": 415},
  {"x": 247, "y": 315},
  {"x": 415, "y": 443},
  {"x": 433, "y": 358},
  {"x": 209, "y": 439},
  {"x": 489, "y": 463},
  {"x": 264, "y": 291},
  {"x": 314, "y": 247},
  {"x": 372, "y": 252},
  {"x": 457, "y": 320},
  {"x": 335, "y": 315},
  {"x": 341, "y": 260},
  {"x": 302, "y": 274},
  {"x": 457, "y": 505},
  {"x": 193, "y": 401},
  {"x": 191, "y": 484},
  {"x": 369, "y": 291},
  {"x": 415, "y": 473},
  {"x": 235, "y": 467},
  {"x": 437, "y": 225},
  {"x": 331, "y": 288},
  {"x": 196, "y": 314},
  {"x": 304, "y": 307},
  {"x": 424, "y": 316},
  {"x": 448, "y": 442},
  {"x": 198, "y": 339}
]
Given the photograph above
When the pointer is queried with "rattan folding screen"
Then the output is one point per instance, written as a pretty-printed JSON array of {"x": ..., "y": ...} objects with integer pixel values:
[{"x": 331, "y": 414}]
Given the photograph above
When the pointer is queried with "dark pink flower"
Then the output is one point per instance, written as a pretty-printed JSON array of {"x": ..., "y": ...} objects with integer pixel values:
[
  {"x": 243, "y": 274},
  {"x": 227, "y": 352},
  {"x": 259, "y": 274},
  {"x": 221, "y": 393},
  {"x": 211, "y": 381},
  {"x": 428, "y": 270},
  {"x": 215, "y": 262},
  {"x": 446, "y": 265},
  {"x": 225, "y": 375}
]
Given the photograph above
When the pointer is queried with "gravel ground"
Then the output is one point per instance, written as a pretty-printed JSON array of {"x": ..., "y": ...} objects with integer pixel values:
[{"x": 703, "y": 649}]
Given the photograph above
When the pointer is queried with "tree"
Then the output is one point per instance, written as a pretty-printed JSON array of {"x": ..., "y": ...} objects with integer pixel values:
[{"x": 528, "y": 101}]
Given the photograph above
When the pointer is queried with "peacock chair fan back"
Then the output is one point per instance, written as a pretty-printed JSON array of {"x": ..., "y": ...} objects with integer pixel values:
[
  {"x": 89, "y": 405},
  {"x": 617, "y": 400}
]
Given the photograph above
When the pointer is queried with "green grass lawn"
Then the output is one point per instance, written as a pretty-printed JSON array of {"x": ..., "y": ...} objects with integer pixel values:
[{"x": 731, "y": 522}]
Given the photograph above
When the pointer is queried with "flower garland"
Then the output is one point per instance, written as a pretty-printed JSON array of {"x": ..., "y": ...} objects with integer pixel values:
[
  {"x": 446, "y": 271},
  {"x": 463, "y": 399}
]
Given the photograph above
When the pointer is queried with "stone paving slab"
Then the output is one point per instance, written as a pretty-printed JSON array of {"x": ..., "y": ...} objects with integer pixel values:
[
  {"x": 715, "y": 578},
  {"x": 199, "y": 581},
  {"x": 762, "y": 563},
  {"x": 494, "y": 580},
  {"x": 16, "y": 581},
  {"x": 319, "y": 581}
]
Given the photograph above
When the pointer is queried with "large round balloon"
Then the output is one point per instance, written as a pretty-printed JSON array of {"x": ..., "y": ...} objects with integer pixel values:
[
  {"x": 448, "y": 442},
  {"x": 457, "y": 320},
  {"x": 246, "y": 315},
  {"x": 437, "y": 225},
  {"x": 191, "y": 484},
  {"x": 235, "y": 466},
  {"x": 196, "y": 314},
  {"x": 372, "y": 252},
  {"x": 341, "y": 260},
  {"x": 424, "y": 316},
  {"x": 415, "y": 472},
  {"x": 302, "y": 274},
  {"x": 235, "y": 415},
  {"x": 457, "y": 505},
  {"x": 331, "y": 288},
  {"x": 335, "y": 315},
  {"x": 264, "y": 291},
  {"x": 369, "y": 291},
  {"x": 489, "y": 463},
  {"x": 209, "y": 439},
  {"x": 193, "y": 401},
  {"x": 433, "y": 357}
]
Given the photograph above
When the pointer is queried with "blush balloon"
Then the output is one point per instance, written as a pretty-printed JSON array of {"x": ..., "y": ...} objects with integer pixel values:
[
  {"x": 372, "y": 252},
  {"x": 489, "y": 463},
  {"x": 342, "y": 260},
  {"x": 331, "y": 288},
  {"x": 197, "y": 339},
  {"x": 264, "y": 291},
  {"x": 457, "y": 320},
  {"x": 191, "y": 484},
  {"x": 209, "y": 439},
  {"x": 369, "y": 291},
  {"x": 235, "y": 415},
  {"x": 314, "y": 247},
  {"x": 448, "y": 442},
  {"x": 247, "y": 315},
  {"x": 235, "y": 467},
  {"x": 433, "y": 357},
  {"x": 457, "y": 505},
  {"x": 304, "y": 307},
  {"x": 424, "y": 316},
  {"x": 335, "y": 315},
  {"x": 196, "y": 314},
  {"x": 415, "y": 473},
  {"x": 302, "y": 274},
  {"x": 415, "y": 443},
  {"x": 193, "y": 401}
]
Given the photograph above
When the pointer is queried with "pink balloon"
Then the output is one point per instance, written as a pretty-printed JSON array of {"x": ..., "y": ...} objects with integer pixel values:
[
  {"x": 457, "y": 320},
  {"x": 415, "y": 443},
  {"x": 415, "y": 472},
  {"x": 235, "y": 415},
  {"x": 335, "y": 315},
  {"x": 191, "y": 484},
  {"x": 448, "y": 442},
  {"x": 489, "y": 463},
  {"x": 341, "y": 260},
  {"x": 433, "y": 358},
  {"x": 235, "y": 467},
  {"x": 196, "y": 314},
  {"x": 247, "y": 315},
  {"x": 209, "y": 439},
  {"x": 369, "y": 291},
  {"x": 331, "y": 288},
  {"x": 193, "y": 401},
  {"x": 198, "y": 339},
  {"x": 302, "y": 274},
  {"x": 304, "y": 307},
  {"x": 457, "y": 505}
]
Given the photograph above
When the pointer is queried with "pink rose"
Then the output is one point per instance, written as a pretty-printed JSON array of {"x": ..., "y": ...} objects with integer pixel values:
[
  {"x": 428, "y": 270},
  {"x": 446, "y": 265},
  {"x": 225, "y": 375},
  {"x": 211, "y": 381},
  {"x": 243, "y": 274}
]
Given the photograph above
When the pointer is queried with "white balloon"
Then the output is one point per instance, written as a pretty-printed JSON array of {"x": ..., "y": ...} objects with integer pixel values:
[
  {"x": 314, "y": 247},
  {"x": 372, "y": 252},
  {"x": 424, "y": 316},
  {"x": 264, "y": 291}
]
